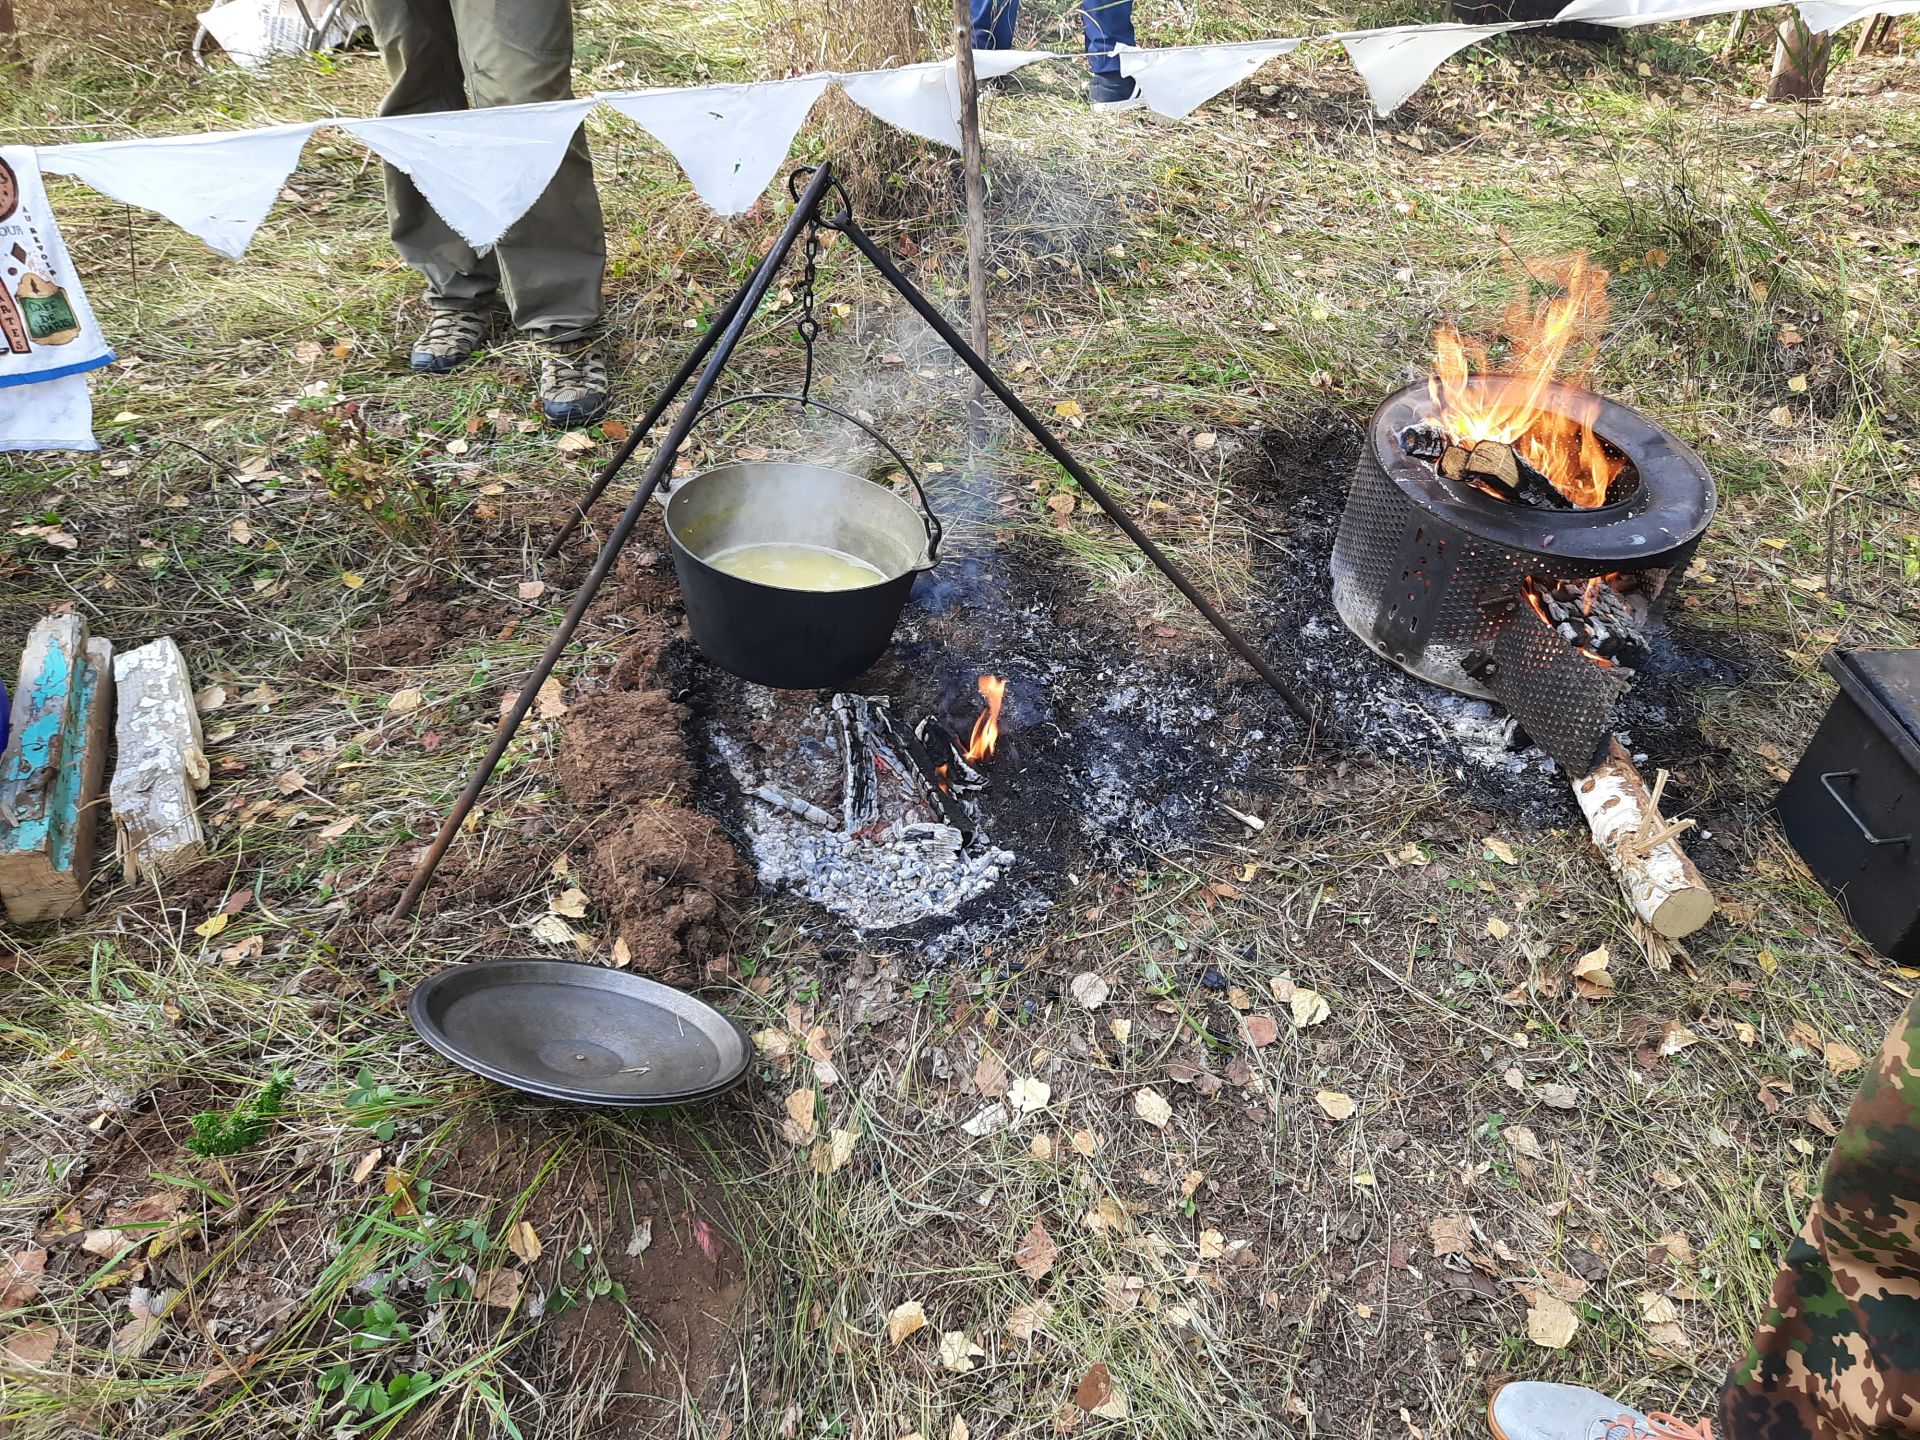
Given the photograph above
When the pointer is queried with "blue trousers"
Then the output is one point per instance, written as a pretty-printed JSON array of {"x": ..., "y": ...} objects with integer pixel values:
[{"x": 1107, "y": 23}]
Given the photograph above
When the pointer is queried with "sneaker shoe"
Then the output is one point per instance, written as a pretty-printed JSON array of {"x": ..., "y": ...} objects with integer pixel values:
[
  {"x": 1115, "y": 92},
  {"x": 452, "y": 338},
  {"x": 573, "y": 386},
  {"x": 1535, "y": 1410}
]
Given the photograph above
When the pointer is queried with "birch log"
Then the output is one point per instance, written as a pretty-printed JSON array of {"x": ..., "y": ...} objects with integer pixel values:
[
  {"x": 51, "y": 771},
  {"x": 1660, "y": 882},
  {"x": 162, "y": 761}
]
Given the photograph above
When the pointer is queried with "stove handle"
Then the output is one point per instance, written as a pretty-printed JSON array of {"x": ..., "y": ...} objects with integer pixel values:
[{"x": 1826, "y": 781}]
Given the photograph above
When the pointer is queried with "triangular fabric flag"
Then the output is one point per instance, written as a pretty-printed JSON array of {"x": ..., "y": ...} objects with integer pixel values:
[
  {"x": 218, "y": 187},
  {"x": 923, "y": 99},
  {"x": 1396, "y": 62},
  {"x": 1177, "y": 80},
  {"x": 481, "y": 170},
  {"x": 1627, "y": 14},
  {"x": 1823, "y": 18},
  {"x": 992, "y": 64},
  {"x": 730, "y": 139}
]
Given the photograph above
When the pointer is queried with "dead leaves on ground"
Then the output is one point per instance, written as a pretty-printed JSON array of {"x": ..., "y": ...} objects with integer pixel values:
[
  {"x": 1551, "y": 1321},
  {"x": 1036, "y": 1253},
  {"x": 1151, "y": 1106}
]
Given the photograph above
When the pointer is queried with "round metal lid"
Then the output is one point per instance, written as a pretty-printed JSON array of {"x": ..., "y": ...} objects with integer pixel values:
[
  {"x": 578, "y": 1032},
  {"x": 1671, "y": 506}
]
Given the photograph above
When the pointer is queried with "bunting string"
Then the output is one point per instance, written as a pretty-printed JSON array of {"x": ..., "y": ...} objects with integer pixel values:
[{"x": 482, "y": 169}]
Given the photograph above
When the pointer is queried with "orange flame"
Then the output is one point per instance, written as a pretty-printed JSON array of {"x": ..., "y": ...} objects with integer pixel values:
[
  {"x": 1562, "y": 446},
  {"x": 986, "y": 730}
]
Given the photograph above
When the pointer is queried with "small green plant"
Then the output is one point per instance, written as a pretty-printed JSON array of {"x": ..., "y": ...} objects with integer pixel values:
[
  {"x": 373, "y": 1327},
  {"x": 585, "y": 1279},
  {"x": 228, "y": 1133},
  {"x": 373, "y": 1103}
]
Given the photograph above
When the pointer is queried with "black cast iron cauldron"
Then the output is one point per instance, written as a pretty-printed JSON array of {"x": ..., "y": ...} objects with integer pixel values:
[{"x": 796, "y": 639}]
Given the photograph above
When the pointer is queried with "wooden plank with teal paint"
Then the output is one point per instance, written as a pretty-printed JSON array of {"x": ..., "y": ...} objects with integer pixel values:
[{"x": 52, "y": 770}]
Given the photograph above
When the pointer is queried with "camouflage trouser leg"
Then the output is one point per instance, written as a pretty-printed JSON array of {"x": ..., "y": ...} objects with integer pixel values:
[{"x": 1837, "y": 1355}]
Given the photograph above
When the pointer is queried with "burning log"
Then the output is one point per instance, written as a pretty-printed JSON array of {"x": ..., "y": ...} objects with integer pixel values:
[
  {"x": 1492, "y": 465},
  {"x": 859, "y": 789},
  {"x": 1661, "y": 883},
  {"x": 1592, "y": 617},
  {"x": 948, "y": 757},
  {"x": 794, "y": 805}
]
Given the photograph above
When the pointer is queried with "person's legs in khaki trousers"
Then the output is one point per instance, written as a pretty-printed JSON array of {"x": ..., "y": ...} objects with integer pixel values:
[{"x": 447, "y": 55}]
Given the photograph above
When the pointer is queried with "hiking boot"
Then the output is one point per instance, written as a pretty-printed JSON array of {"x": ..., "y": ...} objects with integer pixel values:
[
  {"x": 1535, "y": 1410},
  {"x": 573, "y": 386},
  {"x": 1115, "y": 92},
  {"x": 451, "y": 339}
]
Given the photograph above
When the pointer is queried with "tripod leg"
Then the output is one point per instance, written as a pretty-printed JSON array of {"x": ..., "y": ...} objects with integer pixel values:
[
  {"x": 668, "y": 394},
  {"x": 848, "y": 226},
  {"x": 657, "y": 469}
]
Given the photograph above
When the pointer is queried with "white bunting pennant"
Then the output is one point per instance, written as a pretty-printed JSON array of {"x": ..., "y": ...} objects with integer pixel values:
[
  {"x": 1630, "y": 14},
  {"x": 1177, "y": 80},
  {"x": 924, "y": 100},
  {"x": 730, "y": 139},
  {"x": 920, "y": 99},
  {"x": 1395, "y": 63},
  {"x": 1822, "y": 17},
  {"x": 218, "y": 187},
  {"x": 480, "y": 169}
]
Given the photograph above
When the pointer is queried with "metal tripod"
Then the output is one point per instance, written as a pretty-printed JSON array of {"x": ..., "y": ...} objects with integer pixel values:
[{"x": 714, "y": 350}]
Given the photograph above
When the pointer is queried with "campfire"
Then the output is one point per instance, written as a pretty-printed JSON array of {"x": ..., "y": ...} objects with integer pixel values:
[
  {"x": 873, "y": 819},
  {"x": 1513, "y": 535}
]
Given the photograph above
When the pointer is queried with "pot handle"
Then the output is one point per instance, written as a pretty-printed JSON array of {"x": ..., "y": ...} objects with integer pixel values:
[{"x": 935, "y": 531}]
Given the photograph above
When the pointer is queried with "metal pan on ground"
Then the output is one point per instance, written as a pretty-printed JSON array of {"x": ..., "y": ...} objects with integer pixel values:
[{"x": 580, "y": 1033}]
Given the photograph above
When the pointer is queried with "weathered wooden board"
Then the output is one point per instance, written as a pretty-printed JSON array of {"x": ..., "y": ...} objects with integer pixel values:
[
  {"x": 51, "y": 771},
  {"x": 162, "y": 761}
]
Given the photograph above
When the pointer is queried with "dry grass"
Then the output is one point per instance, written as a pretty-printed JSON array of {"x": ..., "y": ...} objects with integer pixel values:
[{"x": 1254, "y": 1267}]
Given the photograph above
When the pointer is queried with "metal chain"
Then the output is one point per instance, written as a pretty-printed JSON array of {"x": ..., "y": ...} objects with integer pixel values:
[{"x": 808, "y": 326}]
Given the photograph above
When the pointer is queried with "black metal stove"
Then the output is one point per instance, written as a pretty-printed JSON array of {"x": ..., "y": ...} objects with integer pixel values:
[{"x": 1449, "y": 581}]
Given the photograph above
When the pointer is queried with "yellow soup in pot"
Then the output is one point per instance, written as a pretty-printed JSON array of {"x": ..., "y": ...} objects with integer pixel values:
[{"x": 796, "y": 567}]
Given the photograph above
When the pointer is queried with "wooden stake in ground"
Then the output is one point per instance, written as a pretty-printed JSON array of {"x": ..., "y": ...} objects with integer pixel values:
[
  {"x": 162, "y": 762},
  {"x": 1660, "y": 882},
  {"x": 1800, "y": 59},
  {"x": 970, "y": 164},
  {"x": 50, "y": 774}
]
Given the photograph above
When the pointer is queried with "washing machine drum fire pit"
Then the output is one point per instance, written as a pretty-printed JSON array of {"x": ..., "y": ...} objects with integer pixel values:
[{"x": 1540, "y": 607}]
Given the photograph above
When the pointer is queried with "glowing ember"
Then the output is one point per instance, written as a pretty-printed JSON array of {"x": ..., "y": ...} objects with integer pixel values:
[
  {"x": 986, "y": 730},
  {"x": 1537, "y": 603},
  {"x": 1561, "y": 446}
]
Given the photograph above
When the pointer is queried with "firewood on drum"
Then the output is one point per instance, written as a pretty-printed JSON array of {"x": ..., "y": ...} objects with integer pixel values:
[
  {"x": 162, "y": 762},
  {"x": 1453, "y": 462},
  {"x": 1660, "y": 882},
  {"x": 52, "y": 770},
  {"x": 1424, "y": 441},
  {"x": 1490, "y": 460}
]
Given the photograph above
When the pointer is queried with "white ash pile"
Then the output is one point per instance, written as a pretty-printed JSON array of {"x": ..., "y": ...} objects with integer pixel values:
[{"x": 843, "y": 805}]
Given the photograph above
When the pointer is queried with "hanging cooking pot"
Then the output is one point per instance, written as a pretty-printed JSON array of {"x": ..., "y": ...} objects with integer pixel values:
[{"x": 753, "y": 542}]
